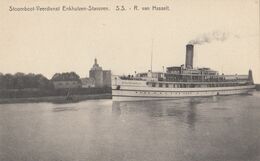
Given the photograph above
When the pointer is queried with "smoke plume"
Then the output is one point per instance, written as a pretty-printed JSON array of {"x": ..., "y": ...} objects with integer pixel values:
[{"x": 212, "y": 36}]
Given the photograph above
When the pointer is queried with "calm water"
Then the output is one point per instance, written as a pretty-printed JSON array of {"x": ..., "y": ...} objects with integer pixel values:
[{"x": 202, "y": 129}]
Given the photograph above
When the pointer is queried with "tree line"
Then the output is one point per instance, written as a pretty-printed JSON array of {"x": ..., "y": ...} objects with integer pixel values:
[{"x": 33, "y": 81}]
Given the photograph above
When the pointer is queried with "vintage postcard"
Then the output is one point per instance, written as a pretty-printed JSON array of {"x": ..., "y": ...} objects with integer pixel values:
[{"x": 140, "y": 80}]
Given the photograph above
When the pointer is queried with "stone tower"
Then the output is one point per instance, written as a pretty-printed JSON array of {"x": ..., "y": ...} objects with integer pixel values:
[{"x": 96, "y": 72}]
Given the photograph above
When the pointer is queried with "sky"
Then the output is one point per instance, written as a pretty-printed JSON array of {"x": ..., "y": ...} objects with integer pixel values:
[{"x": 122, "y": 41}]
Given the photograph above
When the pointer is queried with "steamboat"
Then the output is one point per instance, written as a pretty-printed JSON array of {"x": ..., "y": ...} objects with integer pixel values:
[{"x": 180, "y": 81}]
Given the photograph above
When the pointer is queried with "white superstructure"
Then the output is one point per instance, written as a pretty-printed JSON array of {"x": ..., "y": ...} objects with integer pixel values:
[{"x": 127, "y": 90}]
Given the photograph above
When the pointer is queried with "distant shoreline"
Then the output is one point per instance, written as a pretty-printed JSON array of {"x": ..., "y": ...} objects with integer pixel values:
[{"x": 56, "y": 99}]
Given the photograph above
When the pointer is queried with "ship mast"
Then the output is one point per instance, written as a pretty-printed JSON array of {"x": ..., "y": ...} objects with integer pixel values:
[{"x": 152, "y": 57}]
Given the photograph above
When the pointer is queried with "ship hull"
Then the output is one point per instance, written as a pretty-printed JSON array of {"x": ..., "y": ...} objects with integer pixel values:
[{"x": 129, "y": 93}]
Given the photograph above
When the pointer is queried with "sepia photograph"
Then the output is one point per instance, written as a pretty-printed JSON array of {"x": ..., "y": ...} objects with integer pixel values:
[{"x": 140, "y": 80}]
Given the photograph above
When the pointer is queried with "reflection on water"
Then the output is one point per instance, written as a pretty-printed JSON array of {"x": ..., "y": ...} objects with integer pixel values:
[
  {"x": 183, "y": 110},
  {"x": 197, "y": 129},
  {"x": 61, "y": 109}
]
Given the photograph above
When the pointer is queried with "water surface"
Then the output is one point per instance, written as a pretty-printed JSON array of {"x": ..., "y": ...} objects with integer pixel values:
[{"x": 224, "y": 128}]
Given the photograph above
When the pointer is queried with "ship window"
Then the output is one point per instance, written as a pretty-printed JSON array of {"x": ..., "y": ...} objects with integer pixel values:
[
  {"x": 166, "y": 85},
  {"x": 160, "y": 84},
  {"x": 153, "y": 84}
]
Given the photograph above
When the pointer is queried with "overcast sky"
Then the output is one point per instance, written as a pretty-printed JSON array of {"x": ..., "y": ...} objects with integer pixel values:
[{"x": 50, "y": 42}]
